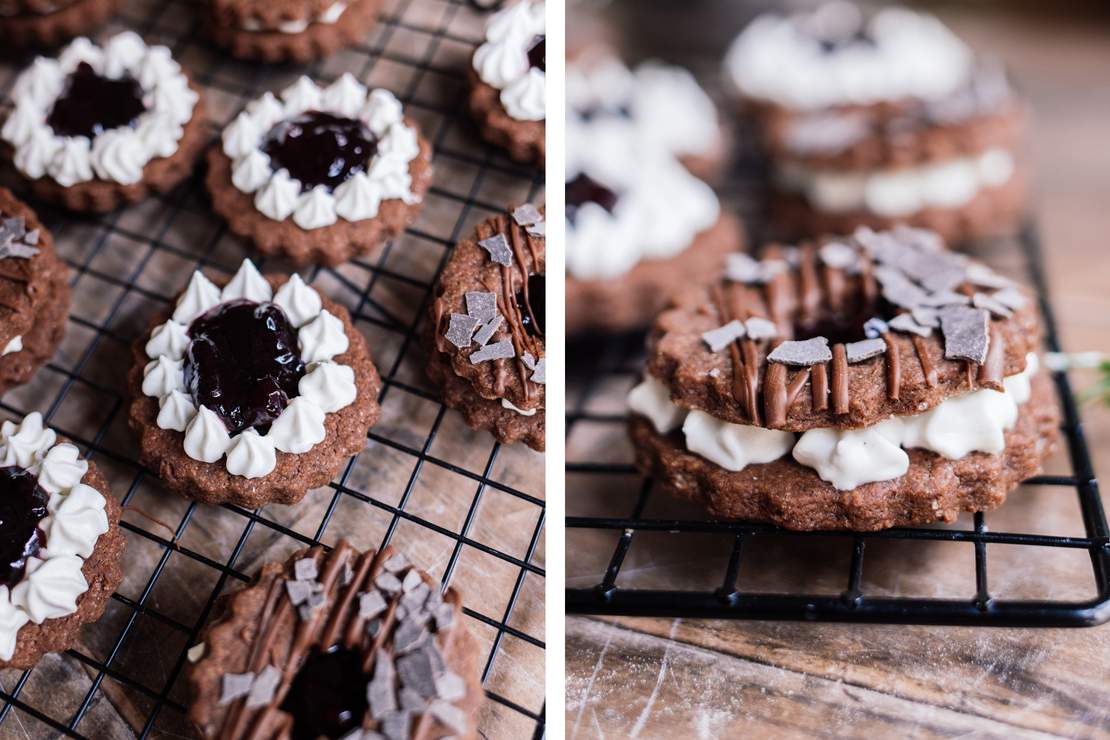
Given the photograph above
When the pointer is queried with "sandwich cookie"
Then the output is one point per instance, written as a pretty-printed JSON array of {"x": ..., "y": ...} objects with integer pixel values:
[{"x": 289, "y": 30}]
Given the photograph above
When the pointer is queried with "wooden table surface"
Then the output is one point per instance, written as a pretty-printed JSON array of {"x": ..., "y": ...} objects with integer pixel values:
[{"x": 703, "y": 678}]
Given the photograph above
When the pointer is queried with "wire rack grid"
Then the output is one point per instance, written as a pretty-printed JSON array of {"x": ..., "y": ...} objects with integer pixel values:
[
  {"x": 634, "y": 551},
  {"x": 461, "y": 506}
]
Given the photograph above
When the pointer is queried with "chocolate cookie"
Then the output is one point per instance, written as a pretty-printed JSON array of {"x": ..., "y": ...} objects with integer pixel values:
[
  {"x": 98, "y": 128},
  {"x": 289, "y": 30},
  {"x": 337, "y": 644},
  {"x": 858, "y": 132},
  {"x": 252, "y": 394},
  {"x": 321, "y": 174},
  {"x": 49, "y": 22},
  {"x": 508, "y": 76},
  {"x": 60, "y": 544},
  {"x": 861, "y": 383},
  {"x": 34, "y": 293},
  {"x": 487, "y": 351}
]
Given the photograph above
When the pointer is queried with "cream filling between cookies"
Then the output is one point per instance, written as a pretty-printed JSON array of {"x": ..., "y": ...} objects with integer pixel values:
[
  {"x": 847, "y": 458},
  {"x": 15, "y": 345},
  {"x": 949, "y": 183},
  {"x": 327, "y": 16},
  {"x": 507, "y": 404},
  {"x": 76, "y": 518}
]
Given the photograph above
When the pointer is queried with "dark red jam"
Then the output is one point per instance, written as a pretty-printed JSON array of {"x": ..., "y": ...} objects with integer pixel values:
[
  {"x": 243, "y": 363},
  {"x": 328, "y": 695},
  {"x": 320, "y": 148},
  {"x": 91, "y": 104},
  {"x": 537, "y": 54},
  {"x": 583, "y": 189},
  {"x": 532, "y": 306},
  {"x": 22, "y": 507}
]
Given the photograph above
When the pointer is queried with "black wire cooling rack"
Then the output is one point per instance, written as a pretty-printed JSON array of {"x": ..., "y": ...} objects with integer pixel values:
[
  {"x": 705, "y": 559},
  {"x": 460, "y": 505}
]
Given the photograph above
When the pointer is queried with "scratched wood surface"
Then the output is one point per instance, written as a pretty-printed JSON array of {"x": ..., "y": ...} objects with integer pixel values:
[{"x": 702, "y": 678}]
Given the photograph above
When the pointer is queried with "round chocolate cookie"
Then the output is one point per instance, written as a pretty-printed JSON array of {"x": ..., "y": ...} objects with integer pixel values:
[
  {"x": 487, "y": 349},
  {"x": 337, "y": 644},
  {"x": 508, "y": 77},
  {"x": 50, "y": 22},
  {"x": 253, "y": 393},
  {"x": 858, "y": 132},
  {"x": 860, "y": 383},
  {"x": 101, "y": 127},
  {"x": 289, "y": 30},
  {"x": 34, "y": 293},
  {"x": 320, "y": 174},
  {"x": 60, "y": 543}
]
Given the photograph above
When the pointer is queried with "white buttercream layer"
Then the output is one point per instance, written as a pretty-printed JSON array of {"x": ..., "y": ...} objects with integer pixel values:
[
  {"x": 848, "y": 458},
  {"x": 328, "y": 16},
  {"x": 502, "y": 60}
]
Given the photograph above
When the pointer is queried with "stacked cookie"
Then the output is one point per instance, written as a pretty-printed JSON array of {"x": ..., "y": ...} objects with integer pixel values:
[
  {"x": 25, "y": 23},
  {"x": 289, "y": 30}
]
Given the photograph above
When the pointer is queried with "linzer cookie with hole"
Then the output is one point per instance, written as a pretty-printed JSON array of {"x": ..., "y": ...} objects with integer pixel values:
[
  {"x": 638, "y": 225},
  {"x": 337, "y": 644},
  {"x": 26, "y": 23},
  {"x": 34, "y": 293},
  {"x": 487, "y": 350},
  {"x": 859, "y": 130},
  {"x": 320, "y": 174},
  {"x": 252, "y": 391},
  {"x": 289, "y": 30},
  {"x": 101, "y": 127},
  {"x": 508, "y": 78},
  {"x": 861, "y": 383},
  {"x": 60, "y": 543}
]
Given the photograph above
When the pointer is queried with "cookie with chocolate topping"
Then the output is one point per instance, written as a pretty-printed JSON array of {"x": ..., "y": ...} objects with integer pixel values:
[
  {"x": 487, "y": 349},
  {"x": 251, "y": 390},
  {"x": 289, "y": 30},
  {"x": 26, "y": 23},
  {"x": 337, "y": 644},
  {"x": 859, "y": 132},
  {"x": 859, "y": 383}
]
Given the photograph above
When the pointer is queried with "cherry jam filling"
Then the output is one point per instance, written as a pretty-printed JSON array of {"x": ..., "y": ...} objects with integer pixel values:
[
  {"x": 91, "y": 104},
  {"x": 243, "y": 363},
  {"x": 532, "y": 306},
  {"x": 22, "y": 507},
  {"x": 328, "y": 695},
  {"x": 537, "y": 54},
  {"x": 320, "y": 148},
  {"x": 584, "y": 189}
]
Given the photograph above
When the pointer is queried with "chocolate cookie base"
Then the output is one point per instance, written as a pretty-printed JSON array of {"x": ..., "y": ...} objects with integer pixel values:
[
  {"x": 525, "y": 141},
  {"x": 328, "y": 245},
  {"x": 163, "y": 451},
  {"x": 40, "y": 344},
  {"x": 632, "y": 300},
  {"x": 159, "y": 175},
  {"x": 791, "y": 495},
  {"x": 102, "y": 571},
  {"x": 317, "y": 41},
  {"x": 506, "y": 425},
  {"x": 80, "y": 18}
]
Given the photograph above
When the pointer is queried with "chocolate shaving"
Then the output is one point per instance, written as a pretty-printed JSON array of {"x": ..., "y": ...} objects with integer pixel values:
[
  {"x": 945, "y": 298},
  {"x": 371, "y": 604},
  {"x": 925, "y": 239},
  {"x": 979, "y": 274},
  {"x": 417, "y": 671},
  {"x": 999, "y": 309},
  {"x": 379, "y": 691},
  {"x": 1011, "y": 298},
  {"x": 460, "y": 332},
  {"x": 742, "y": 268},
  {"x": 396, "y": 726},
  {"x": 874, "y": 327},
  {"x": 487, "y": 331},
  {"x": 527, "y": 214},
  {"x": 723, "y": 336},
  {"x": 305, "y": 569},
  {"x": 906, "y": 324},
  {"x": 444, "y": 617},
  {"x": 298, "y": 591},
  {"x": 539, "y": 375},
  {"x": 450, "y": 687},
  {"x": 502, "y": 350},
  {"x": 415, "y": 597},
  {"x": 803, "y": 353},
  {"x": 388, "y": 582},
  {"x": 539, "y": 230},
  {"x": 412, "y": 580},
  {"x": 498, "y": 249},
  {"x": 449, "y": 715},
  {"x": 929, "y": 317},
  {"x": 966, "y": 333},
  {"x": 760, "y": 328},
  {"x": 397, "y": 562},
  {"x": 864, "y": 350},
  {"x": 839, "y": 256},
  {"x": 408, "y": 636},
  {"x": 264, "y": 687},
  {"x": 481, "y": 306},
  {"x": 412, "y": 701},
  {"x": 234, "y": 686}
]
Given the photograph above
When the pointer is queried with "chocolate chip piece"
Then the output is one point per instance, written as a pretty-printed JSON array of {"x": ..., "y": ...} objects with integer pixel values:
[
  {"x": 760, "y": 328},
  {"x": 449, "y": 715},
  {"x": 460, "y": 331},
  {"x": 498, "y": 249},
  {"x": 371, "y": 604},
  {"x": 388, "y": 582},
  {"x": 305, "y": 569},
  {"x": 235, "y": 685},
  {"x": 990, "y": 303},
  {"x": 408, "y": 636},
  {"x": 839, "y": 256},
  {"x": 487, "y": 331},
  {"x": 502, "y": 350},
  {"x": 417, "y": 672},
  {"x": 966, "y": 333},
  {"x": 723, "y": 336},
  {"x": 412, "y": 701},
  {"x": 1011, "y": 298},
  {"x": 264, "y": 687},
  {"x": 482, "y": 306},
  {"x": 873, "y": 327},
  {"x": 539, "y": 229},
  {"x": 397, "y": 562},
  {"x": 905, "y": 323},
  {"x": 864, "y": 350},
  {"x": 395, "y": 726},
  {"x": 898, "y": 289},
  {"x": 298, "y": 591},
  {"x": 528, "y": 360},
  {"x": 802, "y": 353},
  {"x": 527, "y": 214},
  {"x": 450, "y": 687},
  {"x": 539, "y": 375},
  {"x": 379, "y": 691}
]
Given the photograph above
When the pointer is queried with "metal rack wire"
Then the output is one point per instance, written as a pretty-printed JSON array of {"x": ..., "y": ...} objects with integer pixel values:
[{"x": 424, "y": 481}]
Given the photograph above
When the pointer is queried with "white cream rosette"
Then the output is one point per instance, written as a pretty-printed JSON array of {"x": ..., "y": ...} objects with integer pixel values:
[
  {"x": 502, "y": 59},
  {"x": 76, "y": 518},
  {"x": 326, "y": 387},
  {"x": 118, "y": 154},
  {"x": 279, "y": 196}
]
